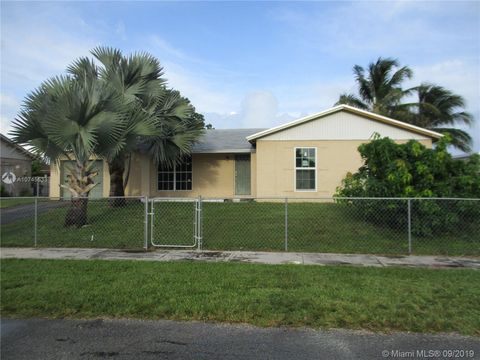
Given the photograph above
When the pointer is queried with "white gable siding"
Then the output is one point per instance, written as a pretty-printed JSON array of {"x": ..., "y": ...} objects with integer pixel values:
[{"x": 342, "y": 126}]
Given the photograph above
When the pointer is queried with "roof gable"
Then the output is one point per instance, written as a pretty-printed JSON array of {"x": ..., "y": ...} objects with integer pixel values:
[
  {"x": 344, "y": 123},
  {"x": 15, "y": 147}
]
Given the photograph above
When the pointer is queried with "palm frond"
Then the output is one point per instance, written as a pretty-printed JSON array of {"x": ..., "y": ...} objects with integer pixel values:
[
  {"x": 402, "y": 74},
  {"x": 459, "y": 138},
  {"x": 108, "y": 56},
  {"x": 352, "y": 100},
  {"x": 83, "y": 69}
]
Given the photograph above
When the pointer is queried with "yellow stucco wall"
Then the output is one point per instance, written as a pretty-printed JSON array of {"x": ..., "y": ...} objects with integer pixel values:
[
  {"x": 253, "y": 169},
  {"x": 212, "y": 176},
  {"x": 272, "y": 171},
  {"x": 55, "y": 179},
  {"x": 276, "y": 166},
  {"x": 54, "y": 190},
  {"x": 138, "y": 174}
]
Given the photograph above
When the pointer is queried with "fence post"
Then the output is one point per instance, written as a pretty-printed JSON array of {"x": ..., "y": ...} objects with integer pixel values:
[
  {"x": 286, "y": 224},
  {"x": 198, "y": 228},
  {"x": 409, "y": 226},
  {"x": 145, "y": 229},
  {"x": 36, "y": 221}
]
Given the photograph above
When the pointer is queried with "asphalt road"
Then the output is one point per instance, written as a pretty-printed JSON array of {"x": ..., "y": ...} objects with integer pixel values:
[
  {"x": 134, "y": 339},
  {"x": 25, "y": 211}
]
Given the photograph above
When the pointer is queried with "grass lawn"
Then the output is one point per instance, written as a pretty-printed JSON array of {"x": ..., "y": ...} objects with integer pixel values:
[
  {"x": 378, "y": 299},
  {"x": 107, "y": 227},
  {"x": 312, "y": 227},
  {"x": 7, "y": 202},
  {"x": 260, "y": 226}
]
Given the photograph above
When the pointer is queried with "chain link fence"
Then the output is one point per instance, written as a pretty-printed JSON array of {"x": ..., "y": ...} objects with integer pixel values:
[
  {"x": 101, "y": 224},
  {"x": 395, "y": 226}
]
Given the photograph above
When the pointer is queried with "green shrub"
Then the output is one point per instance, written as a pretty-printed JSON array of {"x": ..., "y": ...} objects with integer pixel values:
[{"x": 411, "y": 170}]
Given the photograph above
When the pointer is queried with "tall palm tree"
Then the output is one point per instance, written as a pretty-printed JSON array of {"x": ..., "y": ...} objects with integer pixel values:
[
  {"x": 379, "y": 88},
  {"x": 69, "y": 118},
  {"x": 158, "y": 115},
  {"x": 137, "y": 80},
  {"x": 437, "y": 109},
  {"x": 118, "y": 104},
  {"x": 178, "y": 128}
]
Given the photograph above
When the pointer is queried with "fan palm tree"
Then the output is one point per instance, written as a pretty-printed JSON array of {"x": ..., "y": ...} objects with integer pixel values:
[
  {"x": 106, "y": 111},
  {"x": 68, "y": 118},
  {"x": 379, "y": 88},
  {"x": 137, "y": 80},
  {"x": 161, "y": 117},
  {"x": 438, "y": 109},
  {"x": 178, "y": 128}
]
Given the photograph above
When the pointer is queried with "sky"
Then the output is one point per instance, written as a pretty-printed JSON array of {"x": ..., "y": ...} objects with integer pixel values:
[{"x": 248, "y": 64}]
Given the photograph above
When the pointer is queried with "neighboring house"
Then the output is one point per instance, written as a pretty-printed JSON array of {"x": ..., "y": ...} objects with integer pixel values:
[
  {"x": 15, "y": 160},
  {"x": 304, "y": 158}
]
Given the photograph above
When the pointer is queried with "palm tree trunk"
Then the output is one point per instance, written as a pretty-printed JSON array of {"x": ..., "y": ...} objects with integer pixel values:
[
  {"x": 116, "y": 167},
  {"x": 77, "y": 214},
  {"x": 80, "y": 182}
]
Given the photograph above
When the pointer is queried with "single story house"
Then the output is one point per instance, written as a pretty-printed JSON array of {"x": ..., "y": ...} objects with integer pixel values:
[
  {"x": 15, "y": 163},
  {"x": 307, "y": 157}
]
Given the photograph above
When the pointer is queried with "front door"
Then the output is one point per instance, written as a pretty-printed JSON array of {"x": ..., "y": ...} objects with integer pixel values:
[{"x": 242, "y": 174}]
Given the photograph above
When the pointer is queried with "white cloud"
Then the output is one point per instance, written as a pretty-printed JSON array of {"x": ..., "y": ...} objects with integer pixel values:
[
  {"x": 313, "y": 97},
  {"x": 164, "y": 48},
  {"x": 5, "y": 125},
  {"x": 35, "y": 48},
  {"x": 463, "y": 78},
  {"x": 26, "y": 62},
  {"x": 36, "y": 45},
  {"x": 9, "y": 107},
  {"x": 205, "y": 95},
  {"x": 8, "y": 101},
  {"x": 264, "y": 108},
  {"x": 215, "y": 90},
  {"x": 121, "y": 30},
  {"x": 460, "y": 76},
  {"x": 39, "y": 41},
  {"x": 258, "y": 109},
  {"x": 210, "y": 87},
  {"x": 390, "y": 28}
]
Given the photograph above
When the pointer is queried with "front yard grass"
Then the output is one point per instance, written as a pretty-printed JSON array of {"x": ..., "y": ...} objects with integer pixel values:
[
  {"x": 377, "y": 299},
  {"x": 107, "y": 227},
  {"x": 256, "y": 226}
]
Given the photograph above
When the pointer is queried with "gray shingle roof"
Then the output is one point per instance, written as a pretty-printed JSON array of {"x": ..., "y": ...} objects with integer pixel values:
[
  {"x": 225, "y": 140},
  {"x": 17, "y": 146}
]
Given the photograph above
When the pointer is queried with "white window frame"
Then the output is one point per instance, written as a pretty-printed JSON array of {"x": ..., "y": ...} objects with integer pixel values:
[
  {"x": 295, "y": 168},
  {"x": 175, "y": 179}
]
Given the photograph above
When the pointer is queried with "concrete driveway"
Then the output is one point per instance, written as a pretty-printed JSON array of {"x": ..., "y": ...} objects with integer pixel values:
[
  {"x": 25, "y": 211},
  {"x": 134, "y": 339}
]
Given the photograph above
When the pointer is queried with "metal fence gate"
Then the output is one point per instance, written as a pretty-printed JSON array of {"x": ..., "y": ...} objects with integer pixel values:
[{"x": 176, "y": 223}]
